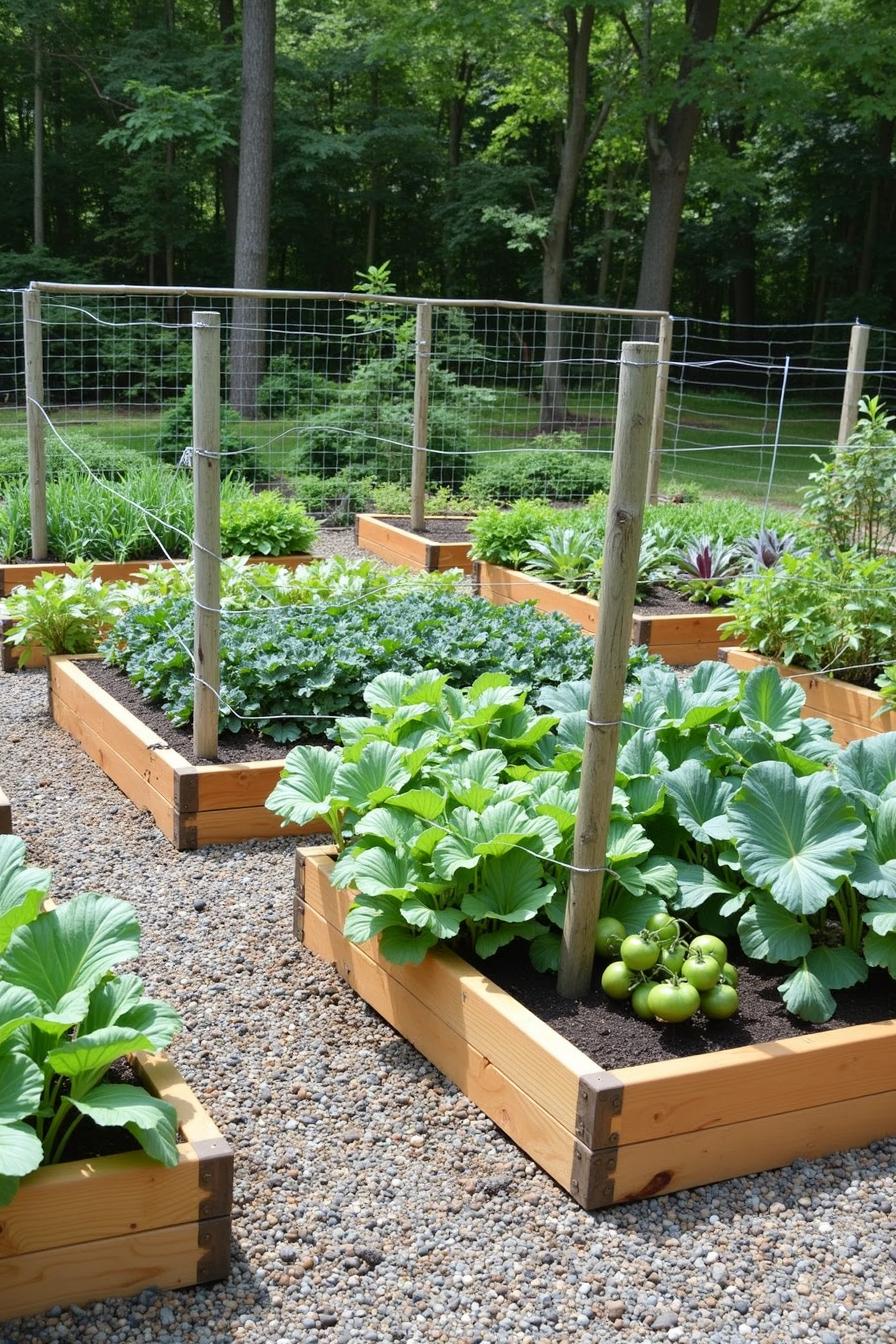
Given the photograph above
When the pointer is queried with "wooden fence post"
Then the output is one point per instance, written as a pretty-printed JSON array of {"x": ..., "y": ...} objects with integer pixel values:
[
  {"x": 622, "y": 544},
  {"x": 855, "y": 376},
  {"x": 659, "y": 408},
  {"x": 32, "y": 330},
  {"x": 206, "y": 531},
  {"x": 421, "y": 411}
]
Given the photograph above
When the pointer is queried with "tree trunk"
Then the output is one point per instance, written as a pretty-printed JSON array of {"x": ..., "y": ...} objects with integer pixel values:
[
  {"x": 577, "y": 141},
  {"x": 227, "y": 164},
  {"x": 457, "y": 109},
  {"x": 373, "y": 204},
  {"x": 886, "y": 127},
  {"x": 39, "y": 234},
  {"x": 248, "y": 341},
  {"x": 668, "y": 161},
  {"x": 606, "y": 247}
]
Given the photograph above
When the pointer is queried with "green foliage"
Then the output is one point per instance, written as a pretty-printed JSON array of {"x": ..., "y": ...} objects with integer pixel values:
[
  {"x": 334, "y": 499},
  {"x": 455, "y": 811},
  {"x": 886, "y": 684},
  {"x": 266, "y": 524},
  {"x": 145, "y": 514},
  {"x": 704, "y": 569},
  {"x": 501, "y": 536},
  {"x": 88, "y": 453},
  {"x": 63, "y": 613},
  {"x": 554, "y": 467},
  {"x": 238, "y": 454},
  {"x": 820, "y": 612},
  {"x": 852, "y": 497},
  {"x": 66, "y": 1016},
  {"x": 567, "y": 556},
  {"x": 289, "y": 671},
  {"x": 396, "y": 499},
  {"x": 290, "y": 389}
]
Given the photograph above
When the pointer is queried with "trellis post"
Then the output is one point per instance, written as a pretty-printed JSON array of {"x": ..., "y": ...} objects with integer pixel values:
[
  {"x": 32, "y": 330},
  {"x": 421, "y": 415},
  {"x": 855, "y": 377},
  {"x": 659, "y": 408},
  {"x": 622, "y": 544},
  {"x": 206, "y": 531}
]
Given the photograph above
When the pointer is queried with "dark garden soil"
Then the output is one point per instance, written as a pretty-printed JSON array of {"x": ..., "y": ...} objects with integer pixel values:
[
  {"x": 436, "y": 529},
  {"x": 665, "y": 602},
  {"x": 610, "y": 1034},
  {"x": 233, "y": 748},
  {"x": 92, "y": 1140}
]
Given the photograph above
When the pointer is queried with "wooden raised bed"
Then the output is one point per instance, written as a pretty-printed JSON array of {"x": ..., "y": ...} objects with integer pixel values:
[
  {"x": 679, "y": 639},
  {"x": 193, "y": 805},
  {"x": 5, "y": 815},
  {"x": 852, "y": 711},
  {"x": 12, "y": 576},
  {"x": 112, "y": 1226},
  {"x": 613, "y": 1137},
  {"x": 381, "y": 535}
]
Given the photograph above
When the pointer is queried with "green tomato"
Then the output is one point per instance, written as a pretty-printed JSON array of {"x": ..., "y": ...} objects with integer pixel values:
[
  {"x": 710, "y": 946},
  {"x": 673, "y": 1003},
  {"x": 638, "y": 953},
  {"x": 701, "y": 972},
  {"x": 664, "y": 927},
  {"x": 640, "y": 1006},
  {"x": 672, "y": 958},
  {"x": 617, "y": 980},
  {"x": 720, "y": 1002},
  {"x": 608, "y": 935},
  {"x": 731, "y": 975}
]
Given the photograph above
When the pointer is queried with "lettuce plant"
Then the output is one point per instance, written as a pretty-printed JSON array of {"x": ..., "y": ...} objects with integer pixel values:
[
  {"x": 64, "y": 613},
  {"x": 65, "y": 1018}
]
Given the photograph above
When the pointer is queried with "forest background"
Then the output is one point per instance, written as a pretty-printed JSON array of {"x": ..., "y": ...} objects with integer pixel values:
[{"x": 732, "y": 159}]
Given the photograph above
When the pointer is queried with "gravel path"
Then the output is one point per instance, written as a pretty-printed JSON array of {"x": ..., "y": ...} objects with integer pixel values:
[{"x": 373, "y": 1202}]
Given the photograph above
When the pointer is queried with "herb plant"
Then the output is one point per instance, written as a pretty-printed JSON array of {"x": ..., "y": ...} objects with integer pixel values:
[
  {"x": 65, "y": 1018},
  {"x": 852, "y": 496},
  {"x": 265, "y": 524}
]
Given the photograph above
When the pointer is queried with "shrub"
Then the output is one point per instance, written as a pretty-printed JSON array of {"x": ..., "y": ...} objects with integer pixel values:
[
  {"x": 265, "y": 524},
  {"x": 554, "y": 468},
  {"x": 852, "y": 497},
  {"x": 239, "y": 455},
  {"x": 334, "y": 499},
  {"x": 290, "y": 389},
  {"x": 96, "y": 455}
]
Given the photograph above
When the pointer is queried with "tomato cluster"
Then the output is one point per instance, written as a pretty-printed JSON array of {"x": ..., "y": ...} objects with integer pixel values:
[{"x": 666, "y": 973}]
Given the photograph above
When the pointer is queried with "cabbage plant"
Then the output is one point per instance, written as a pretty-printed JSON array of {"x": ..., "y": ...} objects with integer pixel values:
[{"x": 65, "y": 1018}]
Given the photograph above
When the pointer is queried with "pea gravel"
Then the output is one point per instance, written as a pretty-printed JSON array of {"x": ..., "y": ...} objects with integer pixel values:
[{"x": 373, "y": 1202}]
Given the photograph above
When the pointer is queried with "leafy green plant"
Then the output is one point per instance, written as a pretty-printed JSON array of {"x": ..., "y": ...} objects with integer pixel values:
[
  {"x": 852, "y": 496},
  {"x": 502, "y": 536},
  {"x": 764, "y": 550},
  {"x": 334, "y": 499},
  {"x": 288, "y": 671},
  {"x": 886, "y": 684},
  {"x": 64, "y": 613},
  {"x": 396, "y": 499},
  {"x": 265, "y": 524},
  {"x": 567, "y": 556},
  {"x": 820, "y": 612},
  {"x": 66, "y": 1017}
]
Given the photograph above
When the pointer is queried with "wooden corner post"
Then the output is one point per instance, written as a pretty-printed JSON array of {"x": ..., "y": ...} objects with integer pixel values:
[
  {"x": 622, "y": 544},
  {"x": 32, "y": 330},
  {"x": 206, "y": 531},
  {"x": 659, "y": 408},
  {"x": 421, "y": 413},
  {"x": 855, "y": 377}
]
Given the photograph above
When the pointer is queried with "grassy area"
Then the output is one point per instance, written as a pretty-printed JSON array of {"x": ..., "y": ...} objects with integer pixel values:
[{"x": 721, "y": 442}]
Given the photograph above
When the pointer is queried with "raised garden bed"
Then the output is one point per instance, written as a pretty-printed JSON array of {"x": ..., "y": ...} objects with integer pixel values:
[
  {"x": 680, "y": 637},
  {"x": 113, "y": 1226},
  {"x": 852, "y": 711},
  {"x": 193, "y": 805},
  {"x": 444, "y": 545},
  {"x": 611, "y": 1137},
  {"x": 11, "y": 576}
]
